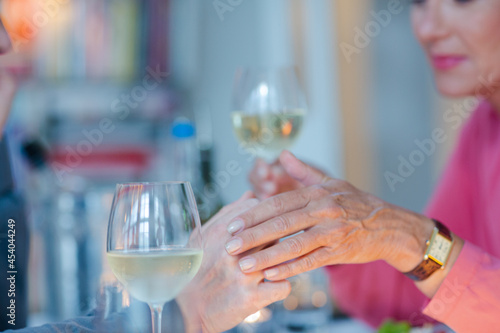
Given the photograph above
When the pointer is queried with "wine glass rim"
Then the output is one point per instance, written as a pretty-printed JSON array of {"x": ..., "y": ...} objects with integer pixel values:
[{"x": 175, "y": 182}]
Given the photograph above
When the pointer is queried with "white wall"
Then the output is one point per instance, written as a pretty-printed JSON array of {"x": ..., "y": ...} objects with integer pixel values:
[{"x": 258, "y": 32}]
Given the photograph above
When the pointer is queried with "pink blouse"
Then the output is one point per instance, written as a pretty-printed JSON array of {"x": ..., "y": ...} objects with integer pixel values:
[{"x": 467, "y": 200}]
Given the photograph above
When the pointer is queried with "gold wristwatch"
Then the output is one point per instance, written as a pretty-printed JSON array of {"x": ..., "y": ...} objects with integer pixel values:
[{"x": 436, "y": 255}]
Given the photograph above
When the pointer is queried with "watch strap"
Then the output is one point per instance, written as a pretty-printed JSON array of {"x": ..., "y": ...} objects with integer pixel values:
[
  {"x": 443, "y": 230},
  {"x": 428, "y": 266}
]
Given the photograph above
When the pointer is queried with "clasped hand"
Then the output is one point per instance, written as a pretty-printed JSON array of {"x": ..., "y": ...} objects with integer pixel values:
[{"x": 329, "y": 221}]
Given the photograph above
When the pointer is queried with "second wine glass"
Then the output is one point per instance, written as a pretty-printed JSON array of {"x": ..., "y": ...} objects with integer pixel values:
[{"x": 269, "y": 108}]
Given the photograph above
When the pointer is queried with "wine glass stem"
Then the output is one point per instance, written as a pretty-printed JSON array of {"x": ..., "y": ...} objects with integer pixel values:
[{"x": 156, "y": 311}]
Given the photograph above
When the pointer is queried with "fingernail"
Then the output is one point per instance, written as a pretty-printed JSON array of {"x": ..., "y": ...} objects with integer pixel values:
[
  {"x": 268, "y": 187},
  {"x": 235, "y": 227},
  {"x": 234, "y": 245},
  {"x": 270, "y": 273},
  {"x": 247, "y": 264}
]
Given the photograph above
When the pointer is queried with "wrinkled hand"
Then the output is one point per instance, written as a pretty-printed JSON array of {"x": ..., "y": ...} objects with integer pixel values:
[
  {"x": 221, "y": 295},
  {"x": 268, "y": 180},
  {"x": 340, "y": 225}
]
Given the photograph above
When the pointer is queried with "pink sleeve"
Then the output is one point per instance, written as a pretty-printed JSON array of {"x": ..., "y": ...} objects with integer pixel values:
[
  {"x": 469, "y": 298},
  {"x": 374, "y": 292}
]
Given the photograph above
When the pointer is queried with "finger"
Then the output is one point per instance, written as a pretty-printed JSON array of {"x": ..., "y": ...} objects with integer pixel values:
[
  {"x": 274, "y": 229},
  {"x": 300, "y": 171},
  {"x": 289, "y": 249},
  {"x": 275, "y": 206},
  {"x": 228, "y": 212},
  {"x": 270, "y": 292},
  {"x": 308, "y": 262}
]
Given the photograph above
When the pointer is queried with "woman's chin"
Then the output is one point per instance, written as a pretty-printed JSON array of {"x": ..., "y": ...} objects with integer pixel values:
[{"x": 455, "y": 89}]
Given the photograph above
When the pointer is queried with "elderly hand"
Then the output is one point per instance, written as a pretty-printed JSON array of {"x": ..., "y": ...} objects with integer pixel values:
[
  {"x": 221, "y": 296},
  {"x": 339, "y": 223},
  {"x": 268, "y": 180}
]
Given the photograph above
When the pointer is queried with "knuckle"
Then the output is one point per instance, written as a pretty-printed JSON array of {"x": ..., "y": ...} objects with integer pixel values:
[
  {"x": 332, "y": 204},
  {"x": 277, "y": 205},
  {"x": 263, "y": 259},
  {"x": 295, "y": 246},
  {"x": 322, "y": 237},
  {"x": 339, "y": 199},
  {"x": 328, "y": 207},
  {"x": 281, "y": 225},
  {"x": 286, "y": 271},
  {"x": 323, "y": 257},
  {"x": 319, "y": 190},
  {"x": 249, "y": 238},
  {"x": 307, "y": 263}
]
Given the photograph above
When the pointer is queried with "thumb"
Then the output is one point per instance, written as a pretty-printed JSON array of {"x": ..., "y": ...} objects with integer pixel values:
[
  {"x": 270, "y": 292},
  {"x": 300, "y": 171}
]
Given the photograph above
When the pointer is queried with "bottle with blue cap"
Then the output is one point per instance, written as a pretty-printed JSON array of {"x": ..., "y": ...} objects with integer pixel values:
[{"x": 186, "y": 157}]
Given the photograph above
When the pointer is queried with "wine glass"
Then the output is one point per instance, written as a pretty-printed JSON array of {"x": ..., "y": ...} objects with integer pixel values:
[
  {"x": 154, "y": 245},
  {"x": 268, "y": 110}
]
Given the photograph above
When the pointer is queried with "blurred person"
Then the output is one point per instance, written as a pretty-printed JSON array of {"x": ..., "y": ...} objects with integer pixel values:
[
  {"x": 218, "y": 298},
  {"x": 14, "y": 234},
  {"x": 343, "y": 225}
]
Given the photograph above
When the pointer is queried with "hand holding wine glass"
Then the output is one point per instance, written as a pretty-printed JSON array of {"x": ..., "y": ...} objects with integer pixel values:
[
  {"x": 154, "y": 241},
  {"x": 268, "y": 180},
  {"x": 221, "y": 295}
]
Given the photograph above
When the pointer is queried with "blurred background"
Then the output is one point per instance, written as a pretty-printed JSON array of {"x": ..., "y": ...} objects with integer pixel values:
[{"x": 105, "y": 83}]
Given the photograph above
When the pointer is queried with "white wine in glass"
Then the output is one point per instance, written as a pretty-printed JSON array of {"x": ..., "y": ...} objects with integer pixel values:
[
  {"x": 154, "y": 241},
  {"x": 270, "y": 133},
  {"x": 157, "y": 276},
  {"x": 270, "y": 108}
]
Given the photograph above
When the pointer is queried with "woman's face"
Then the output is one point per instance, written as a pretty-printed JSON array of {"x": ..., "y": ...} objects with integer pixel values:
[{"x": 462, "y": 41}]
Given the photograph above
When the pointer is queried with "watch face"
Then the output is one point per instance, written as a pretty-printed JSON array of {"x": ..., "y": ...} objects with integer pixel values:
[{"x": 439, "y": 249}]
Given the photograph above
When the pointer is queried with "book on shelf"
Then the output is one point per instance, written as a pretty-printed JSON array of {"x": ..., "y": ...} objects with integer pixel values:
[{"x": 112, "y": 40}]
